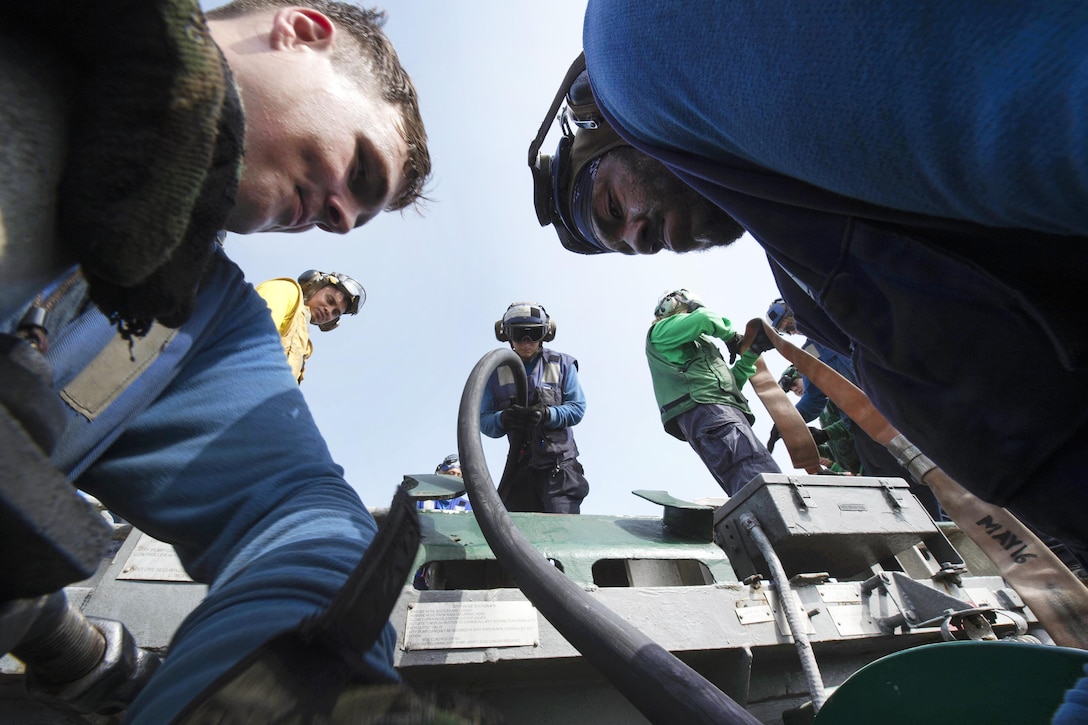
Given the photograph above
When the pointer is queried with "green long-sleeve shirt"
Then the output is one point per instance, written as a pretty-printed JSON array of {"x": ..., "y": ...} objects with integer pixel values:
[
  {"x": 688, "y": 369},
  {"x": 674, "y": 337}
]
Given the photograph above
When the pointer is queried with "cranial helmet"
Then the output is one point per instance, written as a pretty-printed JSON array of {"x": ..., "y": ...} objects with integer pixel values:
[
  {"x": 789, "y": 375},
  {"x": 448, "y": 463},
  {"x": 778, "y": 311},
  {"x": 680, "y": 300},
  {"x": 562, "y": 183},
  {"x": 525, "y": 319},
  {"x": 312, "y": 280}
]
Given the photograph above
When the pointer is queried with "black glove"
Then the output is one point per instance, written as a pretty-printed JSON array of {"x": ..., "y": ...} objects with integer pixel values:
[
  {"x": 775, "y": 436},
  {"x": 534, "y": 416},
  {"x": 761, "y": 343},
  {"x": 513, "y": 418},
  {"x": 820, "y": 436},
  {"x": 733, "y": 345}
]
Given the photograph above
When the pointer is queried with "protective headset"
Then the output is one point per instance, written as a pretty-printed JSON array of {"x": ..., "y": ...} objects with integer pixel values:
[
  {"x": 525, "y": 314},
  {"x": 680, "y": 300},
  {"x": 554, "y": 176},
  {"x": 312, "y": 280}
]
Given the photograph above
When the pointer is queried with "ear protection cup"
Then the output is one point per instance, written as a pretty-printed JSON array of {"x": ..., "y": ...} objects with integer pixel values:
[
  {"x": 550, "y": 334},
  {"x": 500, "y": 333},
  {"x": 309, "y": 279},
  {"x": 542, "y": 190}
]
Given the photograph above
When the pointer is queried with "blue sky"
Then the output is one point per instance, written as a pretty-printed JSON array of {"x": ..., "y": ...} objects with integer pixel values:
[{"x": 385, "y": 386}]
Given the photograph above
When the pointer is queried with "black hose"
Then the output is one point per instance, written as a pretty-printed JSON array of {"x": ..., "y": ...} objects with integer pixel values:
[
  {"x": 663, "y": 688},
  {"x": 510, "y": 470}
]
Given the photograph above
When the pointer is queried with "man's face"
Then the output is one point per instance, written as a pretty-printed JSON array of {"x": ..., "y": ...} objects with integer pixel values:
[
  {"x": 319, "y": 151},
  {"x": 787, "y": 325},
  {"x": 326, "y": 305},
  {"x": 640, "y": 207},
  {"x": 798, "y": 387},
  {"x": 526, "y": 340},
  {"x": 526, "y": 348}
]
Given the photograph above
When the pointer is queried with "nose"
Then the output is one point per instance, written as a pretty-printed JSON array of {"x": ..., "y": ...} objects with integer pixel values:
[
  {"x": 635, "y": 234},
  {"x": 342, "y": 214},
  {"x": 336, "y": 217}
]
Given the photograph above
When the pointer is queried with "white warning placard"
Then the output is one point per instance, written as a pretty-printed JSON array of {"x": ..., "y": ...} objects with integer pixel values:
[
  {"x": 153, "y": 560},
  {"x": 461, "y": 625}
]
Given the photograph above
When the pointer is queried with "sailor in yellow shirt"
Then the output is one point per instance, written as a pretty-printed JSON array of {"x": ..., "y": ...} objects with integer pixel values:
[{"x": 320, "y": 298}]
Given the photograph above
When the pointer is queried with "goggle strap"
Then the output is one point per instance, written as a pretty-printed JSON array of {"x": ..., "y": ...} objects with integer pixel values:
[{"x": 573, "y": 72}]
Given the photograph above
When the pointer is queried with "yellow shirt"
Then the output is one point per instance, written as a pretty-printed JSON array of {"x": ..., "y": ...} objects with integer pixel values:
[{"x": 292, "y": 317}]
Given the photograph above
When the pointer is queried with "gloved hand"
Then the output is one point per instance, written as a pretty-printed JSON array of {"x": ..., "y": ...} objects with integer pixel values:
[
  {"x": 733, "y": 346},
  {"x": 513, "y": 418},
  {"x": 534, "y": 415},
  {"x": 761, "y": 343},
  {"x": 820, "y": 436},
  {"x": 775, "y": 436}
]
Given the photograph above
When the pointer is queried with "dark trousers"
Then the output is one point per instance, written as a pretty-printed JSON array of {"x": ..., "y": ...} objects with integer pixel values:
[
  {"x": 724, "y": 440},
  {"x": 1054, "y": 500},
  {"x": 555, "y": 490}
]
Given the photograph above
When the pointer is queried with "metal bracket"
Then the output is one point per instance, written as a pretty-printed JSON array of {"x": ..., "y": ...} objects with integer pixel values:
[
  {"x": 809, "y": 579},
  {"x": 804, "y": 498},
  {"x": 894, "y": 497},
  {"x": 918, "y": 604}
]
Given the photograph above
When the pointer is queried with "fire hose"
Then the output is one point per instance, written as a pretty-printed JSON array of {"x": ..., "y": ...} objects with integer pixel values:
[
  {"x": 1058, "y": 600},
  {"x": 663, "y": 688}
]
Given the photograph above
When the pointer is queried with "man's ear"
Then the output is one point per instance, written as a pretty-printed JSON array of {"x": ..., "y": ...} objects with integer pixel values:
[{"x": 297, "y": 27}]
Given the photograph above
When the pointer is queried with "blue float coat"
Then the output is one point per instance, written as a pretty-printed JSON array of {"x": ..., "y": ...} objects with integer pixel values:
[{"x": 214, "y": 450}]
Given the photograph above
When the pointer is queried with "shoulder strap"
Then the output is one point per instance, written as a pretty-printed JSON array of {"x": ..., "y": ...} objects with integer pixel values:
[
  {"x": 573, "y": 72},
  {"x": 114, "y": 369}
]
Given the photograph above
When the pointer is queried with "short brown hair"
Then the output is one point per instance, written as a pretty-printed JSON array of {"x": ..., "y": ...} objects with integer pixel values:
[{"x": 378, "y": 61}]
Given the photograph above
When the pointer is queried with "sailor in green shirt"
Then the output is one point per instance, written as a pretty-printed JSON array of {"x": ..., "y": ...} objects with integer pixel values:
[{"x": 699, "y": 394}]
